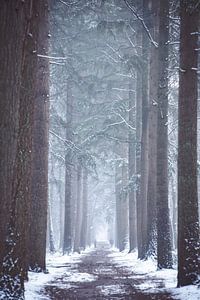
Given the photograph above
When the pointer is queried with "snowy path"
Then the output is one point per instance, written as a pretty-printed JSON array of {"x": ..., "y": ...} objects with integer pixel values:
[{"x": 98, "y": 276}]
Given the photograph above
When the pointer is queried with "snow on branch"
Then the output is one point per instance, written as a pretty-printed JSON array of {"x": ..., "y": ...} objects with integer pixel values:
[
  {"x": 115, "y": 51},
  {"x": 195, "y": 33},
  {"x": 142, "y": 22},
  {"x": 51, "y": 57},
  {"x": 63, "y": 2},
  {"x": 124, "y": 120},
  {"x": 56, "y": 63},
  {"x": 69, "y": 143}
]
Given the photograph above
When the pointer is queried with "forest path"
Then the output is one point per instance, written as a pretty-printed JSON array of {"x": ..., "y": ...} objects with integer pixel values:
[{"x": 97, "y": 276}]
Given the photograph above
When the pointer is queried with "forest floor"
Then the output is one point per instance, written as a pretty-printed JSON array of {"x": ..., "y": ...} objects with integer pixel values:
[{"x": 101, "y": 274}]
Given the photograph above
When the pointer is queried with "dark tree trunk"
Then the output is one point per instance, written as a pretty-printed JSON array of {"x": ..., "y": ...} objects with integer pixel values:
[
  {"x": 39, "y": 187},
  {"x": 12, "y": 35},
  {"x": 15, "y": 257},
  {"x": 13, "y": 26},
  {"x": 164, "y": 251},
  {"x": 188, "y": 222},
  {"x": 142, "y": 217}
]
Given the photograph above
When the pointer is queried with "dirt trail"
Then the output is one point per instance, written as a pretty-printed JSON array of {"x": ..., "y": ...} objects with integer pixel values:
[{"x": 108, "y": 281}]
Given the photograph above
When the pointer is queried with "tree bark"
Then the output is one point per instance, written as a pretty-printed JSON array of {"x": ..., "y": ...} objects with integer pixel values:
[
  {"x": 67, "y": 243},
  {"x": 39, "y": 186},
  {"x": 13, "y": 27},
  {"x": 188, "y": 222},
  {"x": 163, "y": 222},
  {"x": 142, "y": 206},
  {"x": 84, "y": 226},
  {"x": 138, "y": 150},
  {"x": 152, "y": 135},
  {"x": 15, "y": 257},
  {"x": 78, "y": 211},
  {"x": 131, "y": 171}
]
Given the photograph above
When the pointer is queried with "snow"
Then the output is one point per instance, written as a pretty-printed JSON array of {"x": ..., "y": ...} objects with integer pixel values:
[
  {"x": 111, "y": 290},
  {"x": 153, "y": 280},
  {"x": 145, "y": 276},
  {"x": 191, "y": 292},
  {"x": 79, "y": 277},
  {"x": 57, "y": 266}
]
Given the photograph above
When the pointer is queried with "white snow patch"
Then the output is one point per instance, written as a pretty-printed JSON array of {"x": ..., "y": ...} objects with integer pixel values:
[
  {"x": 79, "y": 277},
  {"x": 111, "y": 289},
  {"x": 190, "y": 292}
]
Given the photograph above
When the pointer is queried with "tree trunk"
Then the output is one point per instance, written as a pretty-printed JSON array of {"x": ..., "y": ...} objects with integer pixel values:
[
  {"x": 188, "y": 222},
  {"x": 131, "y": 170},
  {"x": 144, "y": 147},
  {"x": 117, "y": 204},
  {"x": 152, "y": 136},
  {"x": 12, "y": 34},
  {"x": 50, "y": 228},
  {"x": 39, "y": 188},
  {"x": 78, "y": 211},
  {"x": 121, "y": 180},
  {"x": 85, "y": 210},
  {"x": 163, "y": 223},
  {"x": 15, "y": 243},
  {"x": 13, "y": 27},
  {"x": 138, "y": 150},
  {"x": 67, "y": 243},
  {"x": 124, "y": 203}
]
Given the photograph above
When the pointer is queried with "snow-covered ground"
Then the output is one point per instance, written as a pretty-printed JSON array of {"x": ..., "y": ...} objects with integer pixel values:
[
  {"x": 149, "y": 279},
  {"x": 57, "y": 265},
  {"x": 146, "y": 270}
]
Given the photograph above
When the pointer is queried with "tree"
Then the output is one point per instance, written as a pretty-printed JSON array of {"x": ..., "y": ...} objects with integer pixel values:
[
  {"x": 19, "y": 75},
  {"x": 188, "y": 222},
  {"x": 152, "y": 133},
  {"x": 142, "y": 205},
  {"x": 79, "y": 208},
  {"x": 67, "y": 243},
  {"x": 131, "y": 170},
  {"x": 84, "y": 226},
  {"x": 163, "y": 222},
  {"x": 39, "y": 185},
  {"x": 12, "y": 32}
]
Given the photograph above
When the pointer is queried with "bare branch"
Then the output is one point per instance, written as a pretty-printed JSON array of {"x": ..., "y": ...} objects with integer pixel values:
[{"x": 142, "y": 22}]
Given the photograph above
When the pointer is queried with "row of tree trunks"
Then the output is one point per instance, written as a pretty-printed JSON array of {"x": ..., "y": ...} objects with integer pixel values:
[
  {"x": 154, "y": 227},
  {"x": 152, "y": 196}
]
